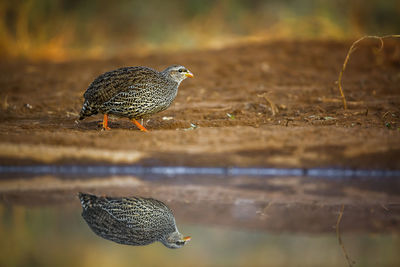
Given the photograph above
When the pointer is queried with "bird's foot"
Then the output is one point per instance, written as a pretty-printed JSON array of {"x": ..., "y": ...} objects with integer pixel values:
[
  {"x": 105, "y": 123},
  {"x": 103, "y": 128},
  {"x": 141, "y": 128}
]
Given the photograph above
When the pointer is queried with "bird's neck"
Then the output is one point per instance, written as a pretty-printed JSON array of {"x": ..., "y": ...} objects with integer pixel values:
[{"x": 171, "y": 78}]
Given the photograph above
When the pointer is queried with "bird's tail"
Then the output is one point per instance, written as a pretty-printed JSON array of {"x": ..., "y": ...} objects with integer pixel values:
[
  {"x": 87, "y": 200},
  {"x": 87, "y": 110}
]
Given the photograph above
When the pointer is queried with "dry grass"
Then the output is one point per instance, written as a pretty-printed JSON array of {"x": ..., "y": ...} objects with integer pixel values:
[
  {"x": 353, "y": 48},
  {"x": 5, "y": 104},
  {"x": 274, "y": 108}
]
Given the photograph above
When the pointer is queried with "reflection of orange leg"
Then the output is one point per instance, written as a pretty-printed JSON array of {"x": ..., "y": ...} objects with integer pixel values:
[
  {"x": 105, "y": 122},
  {"x": 139, "y": 125}
]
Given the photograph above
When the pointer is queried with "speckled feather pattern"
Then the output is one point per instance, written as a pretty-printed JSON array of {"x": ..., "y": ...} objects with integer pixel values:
[
  {"x": 132, "y": 92},
  {"x": 129, "y": 221}
]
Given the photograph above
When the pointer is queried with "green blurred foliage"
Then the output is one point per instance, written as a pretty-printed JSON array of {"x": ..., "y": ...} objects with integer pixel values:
[{"x": 57, "y": 29}]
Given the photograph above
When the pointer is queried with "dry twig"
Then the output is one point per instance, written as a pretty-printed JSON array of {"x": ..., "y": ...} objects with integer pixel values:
[
  {"x": 353, "y": 47},
  {"x": 5, "y": 103},
  {"x": 349, "y": 261},
  {"x": 274, "y": 108}
]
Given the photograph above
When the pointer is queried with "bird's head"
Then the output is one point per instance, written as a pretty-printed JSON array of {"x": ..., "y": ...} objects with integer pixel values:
[
  {"x": 178, "y": 73},
  {"x": 175, "y": 240}
]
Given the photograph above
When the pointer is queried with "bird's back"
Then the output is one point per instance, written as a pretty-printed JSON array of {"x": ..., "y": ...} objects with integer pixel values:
[
  {"x": 131, "y": 221},
  {"x": 128, "y": 92}
]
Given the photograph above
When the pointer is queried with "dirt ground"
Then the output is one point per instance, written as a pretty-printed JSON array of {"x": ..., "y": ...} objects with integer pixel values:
[
  {"x": 270, "y": 104},
  {"x": 40, "y": 102}
]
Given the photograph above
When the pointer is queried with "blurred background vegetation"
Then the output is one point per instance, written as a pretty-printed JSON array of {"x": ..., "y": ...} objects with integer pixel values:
[{"x": 67, "y": 29}]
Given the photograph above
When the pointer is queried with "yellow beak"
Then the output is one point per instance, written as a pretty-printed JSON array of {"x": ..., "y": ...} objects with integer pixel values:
[
  {"x": 186, "y": 239},
  {"x": 189, "y": 74}
]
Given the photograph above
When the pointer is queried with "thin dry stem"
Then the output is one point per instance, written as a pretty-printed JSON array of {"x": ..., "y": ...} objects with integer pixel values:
[
  {"x": 349, "y": 261},
  {"x": 274, "y": 108},
  {"x": 353, "y": 47},
  {"x": 384, "y": 207},
  {"x": 5, "y": 103}
]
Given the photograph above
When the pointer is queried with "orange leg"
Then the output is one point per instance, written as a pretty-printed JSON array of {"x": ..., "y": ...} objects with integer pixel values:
[
  {"x": 105, "y": 122},
  {"x": 139, "y": 125}
]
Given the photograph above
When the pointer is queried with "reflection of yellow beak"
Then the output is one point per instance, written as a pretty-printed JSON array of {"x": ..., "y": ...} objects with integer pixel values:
[
  {"x": 186, "y": 239},
  {"x": 189, "y": 74}
]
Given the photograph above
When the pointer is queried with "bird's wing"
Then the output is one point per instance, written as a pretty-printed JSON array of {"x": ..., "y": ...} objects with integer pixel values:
[
  {"x": 111, "y": 83},
  {"x": 137, "y": 212}
]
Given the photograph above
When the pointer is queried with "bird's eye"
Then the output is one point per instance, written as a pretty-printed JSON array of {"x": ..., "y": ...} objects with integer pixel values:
[
  {"x": 180, "y": 243},
  {"x": 181, "y": 70}
]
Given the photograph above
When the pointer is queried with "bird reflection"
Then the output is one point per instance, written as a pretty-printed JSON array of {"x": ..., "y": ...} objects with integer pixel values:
[{"x": 131, "y": 221}]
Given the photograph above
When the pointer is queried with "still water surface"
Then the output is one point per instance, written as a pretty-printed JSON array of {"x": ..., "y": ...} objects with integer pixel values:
[{"x": 233, "y": 221}]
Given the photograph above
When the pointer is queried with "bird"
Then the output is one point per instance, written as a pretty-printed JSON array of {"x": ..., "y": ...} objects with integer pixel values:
[
  {"x": 133, "y": 221},
  {"x": 133, "y": 92}
]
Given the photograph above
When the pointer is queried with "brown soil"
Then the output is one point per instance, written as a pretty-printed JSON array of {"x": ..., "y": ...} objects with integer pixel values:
[{"x": 41, "y": 101}]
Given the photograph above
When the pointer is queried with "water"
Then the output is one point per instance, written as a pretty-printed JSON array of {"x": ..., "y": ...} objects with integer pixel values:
[
  {"x": 57, "y": 236},
  {"x": 234, "y": 220},
  {"x": 90, "y": 170}
]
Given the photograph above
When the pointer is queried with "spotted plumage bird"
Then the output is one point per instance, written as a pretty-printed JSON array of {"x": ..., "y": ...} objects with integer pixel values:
[
  {"x": 133, "y": 92},
  {"x": 131, "y": 221}
]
